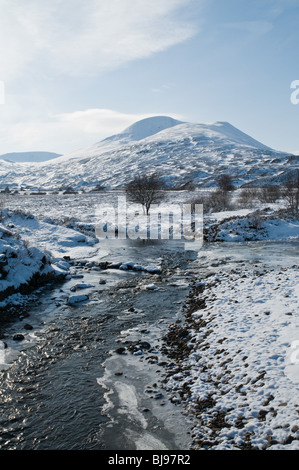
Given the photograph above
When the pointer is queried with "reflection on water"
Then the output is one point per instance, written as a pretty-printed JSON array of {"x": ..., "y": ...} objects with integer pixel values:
[
  {"x": 269, "y": 253},
  {"x": 50, "y": 398}
]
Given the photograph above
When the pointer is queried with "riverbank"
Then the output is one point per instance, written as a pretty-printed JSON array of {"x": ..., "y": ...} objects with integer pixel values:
[
  {"x": 236, "y": 370},
  {"x": 83, "y": 378}
]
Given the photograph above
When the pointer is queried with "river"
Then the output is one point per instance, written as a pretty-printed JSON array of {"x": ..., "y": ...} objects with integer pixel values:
[{"x": 91, "y": 376}]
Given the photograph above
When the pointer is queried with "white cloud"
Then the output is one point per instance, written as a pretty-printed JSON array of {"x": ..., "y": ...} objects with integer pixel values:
[
  {"x": 55, "y": 40},
  {"x": 66, "y": 132},
  {"x": 77, "y": 37},
  {"x": 92, "y": 125}
]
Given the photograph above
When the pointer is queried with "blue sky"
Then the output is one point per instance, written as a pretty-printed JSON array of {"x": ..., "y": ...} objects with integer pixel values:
[{"x": 77, "y": 71}]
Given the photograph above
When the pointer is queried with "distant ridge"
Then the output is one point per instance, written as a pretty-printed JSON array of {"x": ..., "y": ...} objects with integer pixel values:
[{"x": 35, "y": 156}]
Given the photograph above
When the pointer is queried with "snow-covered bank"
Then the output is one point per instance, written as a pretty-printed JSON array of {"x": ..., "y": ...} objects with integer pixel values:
[
  {"x": 22, "y": 268},
  {"x": 237, "y": 362},
  {"x": 255, "y": 226},
  {"x": 56, "y": 238},
  {"x": 34, "y": 252}
]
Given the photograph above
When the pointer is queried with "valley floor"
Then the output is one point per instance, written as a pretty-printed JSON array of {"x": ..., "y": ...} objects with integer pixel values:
[{"x": 236, "y": 349}]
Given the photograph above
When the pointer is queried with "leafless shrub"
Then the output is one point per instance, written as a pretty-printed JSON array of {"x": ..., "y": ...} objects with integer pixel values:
[
  {"x": 269, "y": 194},
  {"x": 290, "y": 192},
  {"x": 214, "y": 201},
  {"x": 247, "y": 197},
  {"x": 225, "y": 183}
]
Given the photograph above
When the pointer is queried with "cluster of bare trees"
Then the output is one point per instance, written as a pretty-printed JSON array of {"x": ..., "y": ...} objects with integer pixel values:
[
  {"x": 218, "y": 199},
  {"x": 291, "y": 192},
  {"x": 288, "y": 192},
  {"x": 221, "y": 198},
  {"x": 267, "y": 194},
  {"x": 147, "y": 189}
]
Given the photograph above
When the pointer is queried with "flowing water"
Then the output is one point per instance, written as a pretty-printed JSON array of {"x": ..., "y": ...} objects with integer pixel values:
[{"x": 68, "y": 386}]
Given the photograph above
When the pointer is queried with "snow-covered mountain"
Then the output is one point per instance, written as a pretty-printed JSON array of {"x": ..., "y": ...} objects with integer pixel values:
[
  {"x": 180, "y": 151},
  {"x": 143, "y": 129}
]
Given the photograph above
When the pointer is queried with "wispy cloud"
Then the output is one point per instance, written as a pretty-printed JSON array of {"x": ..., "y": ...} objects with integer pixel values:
[
  {"x": 65, "y": 132},
  {"x": 77, "y": 37}
]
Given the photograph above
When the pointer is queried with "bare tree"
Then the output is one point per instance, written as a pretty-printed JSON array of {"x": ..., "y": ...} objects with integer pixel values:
[
  {"x": 269, "y": 193},
  {"x": 213, "y": 201},
  {"x": 146, "y": 190},
  {"x": 247, "y": 196},
  {"x": 225, "y": 183},
  {"x": 219, "y": 200},
  {"x": 2, "y": 201},
  {"x": 291, "y": 192}
]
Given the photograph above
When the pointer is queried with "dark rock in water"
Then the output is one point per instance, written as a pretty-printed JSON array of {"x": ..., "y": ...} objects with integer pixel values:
[
  {"x": 120, "y": 350},
  {"x": 158, "y": 396},
  {"x": 102, "y": 281},
  {"x": 135, "y": 346},
  {"x": 183, "y": 334},
  {"x": 28, "y": 327},
  {"x": 103, "y": 265},
  {"x": 18, "y": 337},
  {"x": 90, "y": 264},
  {"x": 145, "y": 345},
  {"x": 114, "y": 265}
]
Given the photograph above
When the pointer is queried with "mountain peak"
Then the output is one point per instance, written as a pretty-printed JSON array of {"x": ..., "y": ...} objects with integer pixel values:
[{"x": 145, "y": 128}]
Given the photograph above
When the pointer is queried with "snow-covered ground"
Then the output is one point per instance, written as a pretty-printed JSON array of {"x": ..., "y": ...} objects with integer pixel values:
[
  {"x": 22, "y": 267},
  {"x": 240, "y": 377},
  {"x": 34, "y": 251},
  {"x": 57, "y": 239},
  {"x": 254, "y": 226}
]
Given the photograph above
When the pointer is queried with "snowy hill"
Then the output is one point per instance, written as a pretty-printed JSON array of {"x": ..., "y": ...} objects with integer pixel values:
[
  {"x": 180, "y": 151},
  {"x": 144, "y": 128}
]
